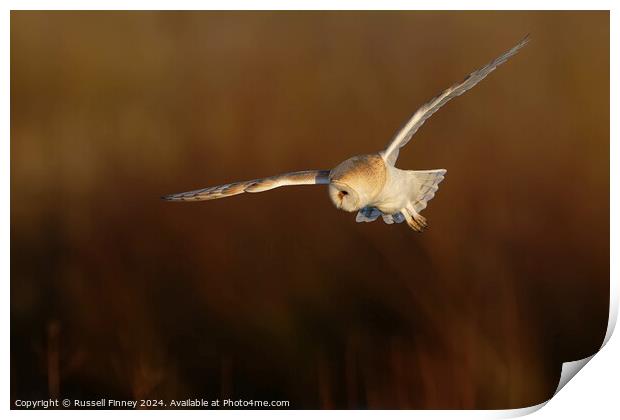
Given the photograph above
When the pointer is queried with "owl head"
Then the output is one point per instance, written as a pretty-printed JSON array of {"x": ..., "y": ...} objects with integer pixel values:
[
  {"x": 355, "y": 180},
  {"x": 344, "y": 196}
]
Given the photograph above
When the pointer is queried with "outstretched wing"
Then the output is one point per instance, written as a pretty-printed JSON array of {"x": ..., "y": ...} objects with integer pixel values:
[
  {"x": 425, "y": 111},
  {"x": 256, "y": 185}
]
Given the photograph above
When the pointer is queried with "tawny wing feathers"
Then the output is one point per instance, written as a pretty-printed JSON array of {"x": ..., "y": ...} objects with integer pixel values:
[
  {"x": 425, "y": 111},
  {"x": 253, "y": 186}
]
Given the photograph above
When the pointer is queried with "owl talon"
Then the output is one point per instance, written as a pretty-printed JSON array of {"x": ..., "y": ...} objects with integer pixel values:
[{"x": 415, "y": 220}]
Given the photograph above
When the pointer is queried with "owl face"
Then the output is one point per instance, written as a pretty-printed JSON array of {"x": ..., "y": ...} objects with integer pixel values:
[{"x": 344, "y": 197}]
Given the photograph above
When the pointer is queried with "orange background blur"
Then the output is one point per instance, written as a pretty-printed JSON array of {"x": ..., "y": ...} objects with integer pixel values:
[{"x": 115, "y": 293}]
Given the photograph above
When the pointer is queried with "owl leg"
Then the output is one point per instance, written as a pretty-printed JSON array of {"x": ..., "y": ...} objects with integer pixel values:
[{"x": 415, "y": 220}]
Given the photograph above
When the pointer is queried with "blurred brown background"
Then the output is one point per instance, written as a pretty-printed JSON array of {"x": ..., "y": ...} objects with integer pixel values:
[{"x": 115, "y": 293}]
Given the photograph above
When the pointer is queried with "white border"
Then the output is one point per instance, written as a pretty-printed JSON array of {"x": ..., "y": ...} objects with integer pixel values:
[{"x": 592, "y": 394}]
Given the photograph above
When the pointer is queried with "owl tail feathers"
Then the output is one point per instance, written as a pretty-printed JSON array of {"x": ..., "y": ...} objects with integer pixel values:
[{"x": 424, "y": 185}]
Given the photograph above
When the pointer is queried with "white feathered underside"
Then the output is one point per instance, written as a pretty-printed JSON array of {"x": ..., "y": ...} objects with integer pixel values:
[{"x": 423, "y": 186}]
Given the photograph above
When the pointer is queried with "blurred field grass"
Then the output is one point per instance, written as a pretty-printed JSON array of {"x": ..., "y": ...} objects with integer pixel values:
[{"x": 278, "y": 295}]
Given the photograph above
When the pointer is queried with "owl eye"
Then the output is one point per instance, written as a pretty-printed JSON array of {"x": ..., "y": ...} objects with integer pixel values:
[
  {"x": 344, "y": 193},
  {"x": 341, "y": 194}
]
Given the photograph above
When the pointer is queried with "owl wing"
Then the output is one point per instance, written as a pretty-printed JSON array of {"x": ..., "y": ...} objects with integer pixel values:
[
  {"x": 425, "y": 111},
  {"x": 253, "y": 186}
]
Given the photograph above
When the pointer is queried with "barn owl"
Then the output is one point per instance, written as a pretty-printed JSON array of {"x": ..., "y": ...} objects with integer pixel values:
[{"x": 371, "y": 184}]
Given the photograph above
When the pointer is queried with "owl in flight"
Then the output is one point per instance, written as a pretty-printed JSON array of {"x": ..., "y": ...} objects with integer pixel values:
[{"x": 370, "y": 185}]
